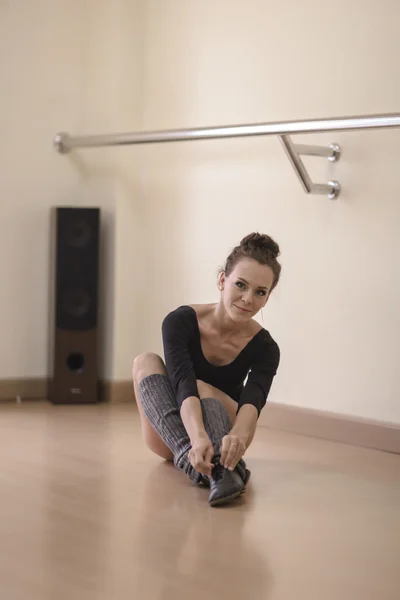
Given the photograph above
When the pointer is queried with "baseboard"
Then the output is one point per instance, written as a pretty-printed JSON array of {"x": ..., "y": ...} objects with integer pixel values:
[
  {"x": 116, "y": 391},
  {"x": 325, "y": 425},
  {"x": 24, "y": 388},
  {"x": 379, "y": 435},
  {"x": 28, "y": 389}
]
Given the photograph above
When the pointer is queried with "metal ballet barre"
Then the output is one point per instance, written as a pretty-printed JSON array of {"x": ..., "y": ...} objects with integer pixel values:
[{"x": 64, "y": 142}]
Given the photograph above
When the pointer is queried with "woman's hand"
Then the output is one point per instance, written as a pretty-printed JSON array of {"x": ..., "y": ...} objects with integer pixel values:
[
  {"x": 232, "y": 449},
  {"x": 235, "y": 444},
  {"x": 201, "y": 454}
]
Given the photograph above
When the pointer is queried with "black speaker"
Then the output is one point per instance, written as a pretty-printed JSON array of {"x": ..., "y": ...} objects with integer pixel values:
[{"x": 74, "y": 355}]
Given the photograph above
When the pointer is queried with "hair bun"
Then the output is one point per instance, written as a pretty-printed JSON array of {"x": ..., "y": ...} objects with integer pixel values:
[{"x": 261, "y": 241}]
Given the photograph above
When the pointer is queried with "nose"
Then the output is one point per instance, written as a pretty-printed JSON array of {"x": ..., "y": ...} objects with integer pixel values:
[{"x": 246, "y": 297}]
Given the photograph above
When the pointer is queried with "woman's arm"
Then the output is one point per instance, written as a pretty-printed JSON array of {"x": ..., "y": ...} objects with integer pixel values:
[
  {"x": 235, "y": 444},
  {"x": 245, "y": 424},
  {"x": 192, "y": 417},
  {"x": 202, "y": 451},
  {"x": 177, "y": 333},
  {"x": 252, "y": 401}
]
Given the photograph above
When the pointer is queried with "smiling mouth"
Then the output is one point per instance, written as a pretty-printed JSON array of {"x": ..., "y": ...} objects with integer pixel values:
[{"x": 242, "y": 309}]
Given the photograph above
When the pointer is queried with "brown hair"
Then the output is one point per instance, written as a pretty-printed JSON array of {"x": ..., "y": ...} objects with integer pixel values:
[{"x": 260, "y": 247}]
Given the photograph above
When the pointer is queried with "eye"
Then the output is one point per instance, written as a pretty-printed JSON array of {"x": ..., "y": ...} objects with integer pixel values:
[
  {"x": 261, "y": 293},
  {"x": 240, "y": 284}
]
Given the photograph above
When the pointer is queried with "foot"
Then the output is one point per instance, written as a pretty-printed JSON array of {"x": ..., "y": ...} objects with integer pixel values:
[
  {"x": 225, "y": 485},
  {"x": 243, "y": 472},
  {"x": 240, "y": 468}
]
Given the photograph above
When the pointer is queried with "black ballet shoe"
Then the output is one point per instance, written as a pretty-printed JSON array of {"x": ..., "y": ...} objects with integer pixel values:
[
  {"x": 225, "y": 485},
  {"x": 241, "y": 468},
  {"x": 204, "y": 481},
  {"x": 243, "y": 472}
]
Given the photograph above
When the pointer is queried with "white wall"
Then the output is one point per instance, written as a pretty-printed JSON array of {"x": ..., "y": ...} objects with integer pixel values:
[
  {"x": 60, "y": 70},
  {"x": 42, "y": 71},
  {"x": 172, "y": 212},
  {"x": 335, "y": 313},
  {"x": 129, "y": 266}
]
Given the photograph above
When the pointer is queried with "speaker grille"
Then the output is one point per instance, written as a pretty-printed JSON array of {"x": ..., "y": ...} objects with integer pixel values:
[
  {"x": 77, "y": 268},
  {"x": 77, "y": 233}
]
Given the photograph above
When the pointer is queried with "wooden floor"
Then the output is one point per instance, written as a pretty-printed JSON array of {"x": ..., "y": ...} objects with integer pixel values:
[{"x": 87, "y": 513}]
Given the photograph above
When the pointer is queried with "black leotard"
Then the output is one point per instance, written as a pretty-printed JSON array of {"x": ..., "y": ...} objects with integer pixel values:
[{"x": 186, "y": 362}]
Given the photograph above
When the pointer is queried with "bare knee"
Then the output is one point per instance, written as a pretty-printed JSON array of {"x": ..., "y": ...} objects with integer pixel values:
[
  {"x": 204, "y": 389},
  {"x": 156, "y": 445},
  {"x": 146, "y": 364}
]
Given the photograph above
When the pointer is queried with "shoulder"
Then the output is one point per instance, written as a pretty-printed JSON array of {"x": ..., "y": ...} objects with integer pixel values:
[
  {"x": 181, "y": 318},
  {"x": 202, "y": 310},
  {"x": 266, "y": 342},
  {"x": 266, "y": 349}
]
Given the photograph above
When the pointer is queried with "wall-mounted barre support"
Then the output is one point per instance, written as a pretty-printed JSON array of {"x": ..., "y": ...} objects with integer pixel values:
[
  {"x": 64, "y": 143},
  {"x": 293, "y": 151}
]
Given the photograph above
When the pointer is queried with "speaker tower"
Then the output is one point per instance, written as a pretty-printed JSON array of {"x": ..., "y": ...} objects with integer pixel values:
[{"x": 74, "y": 343}]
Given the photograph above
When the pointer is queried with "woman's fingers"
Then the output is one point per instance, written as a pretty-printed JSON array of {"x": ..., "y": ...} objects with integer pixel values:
[
  {"x": 202, "y": 453},
  {"x": 232, "y": 454},
  {"x": 203, "y": 464},
  {"x": 199, "y": 463},
  {"x": 209, "y": 456},
  {"x": 232, "y": 451},
  {"x": 201, "y": 456},
  {"x": 226, "y": 442},
  {"x": 232, "y": 461}
]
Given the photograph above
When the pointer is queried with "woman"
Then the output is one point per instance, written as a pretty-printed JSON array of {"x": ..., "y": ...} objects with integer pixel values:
[{"x": 197, "y": 409}]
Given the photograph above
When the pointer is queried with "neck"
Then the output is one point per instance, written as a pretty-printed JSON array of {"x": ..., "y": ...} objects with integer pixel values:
[{"x": 222, "y": 321}]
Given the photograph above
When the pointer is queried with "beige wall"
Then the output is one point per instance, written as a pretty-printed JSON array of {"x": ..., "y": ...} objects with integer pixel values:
[
  {"x": 335, "y": 313},
  {"x": 172, "y": 212},
  {"x": 43, "y": 68},
  {"x": 60, "y": 69}
]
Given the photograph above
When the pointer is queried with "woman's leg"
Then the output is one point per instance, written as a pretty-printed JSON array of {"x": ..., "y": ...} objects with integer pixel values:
[
  {"x": 159, "y": 411},
  {"x": 208, "y": 391},
  {"x": 144, "y": 365},
  {"x": 219, "y": 414}
]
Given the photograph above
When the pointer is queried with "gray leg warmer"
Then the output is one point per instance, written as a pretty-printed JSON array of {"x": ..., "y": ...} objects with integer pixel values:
[{"x": 161, "y": 409}]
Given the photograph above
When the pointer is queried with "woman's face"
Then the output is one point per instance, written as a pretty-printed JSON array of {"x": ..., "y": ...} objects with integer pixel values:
[{"x": 246, "y": 290}]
